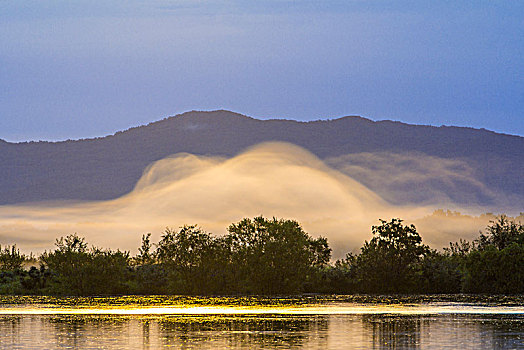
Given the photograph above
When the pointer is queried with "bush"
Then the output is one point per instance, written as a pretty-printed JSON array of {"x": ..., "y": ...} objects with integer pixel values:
[{"x": 77, "y": 270}]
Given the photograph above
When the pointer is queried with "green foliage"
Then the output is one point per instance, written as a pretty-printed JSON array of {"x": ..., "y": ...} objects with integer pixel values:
[
  {"x": 339, "y": 278},
  {"x": 148, "y": 279},
  {"x": 256, "y": 256},
  {"x": 11, "y": 258},
  {"x": 191, "y": 258},
  {"x": 460, "y": 249},
  {"x": 35, "y": 280},
  {"x": 441, "y": 273},
  {"x": 147, "y": 275},
  {"x": 274, "y": 256},
  {"x": 20, "y": 281},
  {"x": 145, "y": 256},
  {"x": 11, "y": 286},
  {"x": 502, "y": 233},
  {"x": 77, "y": 270},
  {"x": 495, "y": 271},
  {"x": 496, "y": 265},
  {"x": 388, "y": 262}
]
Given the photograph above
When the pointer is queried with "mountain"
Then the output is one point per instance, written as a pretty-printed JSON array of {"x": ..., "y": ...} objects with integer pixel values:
[{"x": 466, "y": 165}]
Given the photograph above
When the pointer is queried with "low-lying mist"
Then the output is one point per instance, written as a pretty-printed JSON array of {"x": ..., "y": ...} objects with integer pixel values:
[
  {"x": 420, "y": 179},
  {"x": 271, "y": 179}
]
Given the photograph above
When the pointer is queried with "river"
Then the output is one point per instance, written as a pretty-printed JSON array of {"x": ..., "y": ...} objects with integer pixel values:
[{"x": 259, "y": 323}]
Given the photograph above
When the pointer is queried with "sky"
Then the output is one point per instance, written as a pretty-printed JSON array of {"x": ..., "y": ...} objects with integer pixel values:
[{"x": 77, "y": 69}]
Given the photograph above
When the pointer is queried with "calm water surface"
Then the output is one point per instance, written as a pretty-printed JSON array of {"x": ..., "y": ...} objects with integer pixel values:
[{"x": 242, "y": 323}]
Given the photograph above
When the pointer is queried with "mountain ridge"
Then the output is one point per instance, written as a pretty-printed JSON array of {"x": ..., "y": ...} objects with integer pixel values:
[
  {"x": 383, "y": 121},
  {"x": 109, "y": 166}
]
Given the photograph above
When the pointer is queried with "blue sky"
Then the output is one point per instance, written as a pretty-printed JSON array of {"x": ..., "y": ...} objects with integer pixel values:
[{"x": 72, "y": 69}]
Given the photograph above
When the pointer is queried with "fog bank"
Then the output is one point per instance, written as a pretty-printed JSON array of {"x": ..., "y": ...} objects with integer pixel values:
[{"x": 271, "y": 179}]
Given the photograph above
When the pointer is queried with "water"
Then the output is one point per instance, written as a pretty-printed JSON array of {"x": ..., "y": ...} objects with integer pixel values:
[{"x": 242, "y": 323}]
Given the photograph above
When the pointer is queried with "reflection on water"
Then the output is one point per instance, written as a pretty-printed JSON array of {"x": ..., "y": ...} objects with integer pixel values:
[
  {"x": 268, "y": 332},
  {"x": 450, "y": 331},
  {"x": 458, "y": 330}
]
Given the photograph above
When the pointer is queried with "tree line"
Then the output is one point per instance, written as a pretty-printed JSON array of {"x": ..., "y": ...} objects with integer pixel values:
[{"x": 273, "y": 256}]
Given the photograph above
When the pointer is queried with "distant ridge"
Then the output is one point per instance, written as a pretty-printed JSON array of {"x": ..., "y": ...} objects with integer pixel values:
[{"x": 108, "y": 167}]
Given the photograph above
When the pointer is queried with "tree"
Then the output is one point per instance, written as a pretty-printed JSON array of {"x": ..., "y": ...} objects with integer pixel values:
[
  {"x": 145, "y": 256},
  {"x": 149, "y": 276},
  {"x": 77, "y": 270},
  {"x": 502, "y": 233},
  {"x": 389, "y": 261},
  {"x": 11, "y": 259},
  {"x": 190, "y": 256},
  {"x": 274, "y": 256},
  {"x": 441, "y": 272},
  {"x": 339, "y": 278}
]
